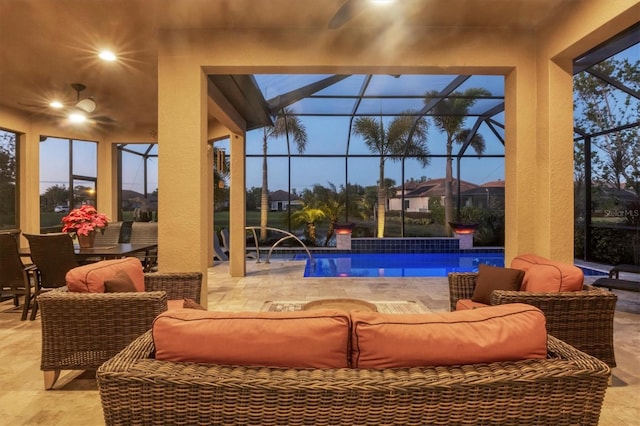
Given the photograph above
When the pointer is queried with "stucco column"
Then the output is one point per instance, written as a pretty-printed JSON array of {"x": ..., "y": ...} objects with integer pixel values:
[
  {"x": 237, "y": 206},
  {"x": 520, "y": 168},
  {"x": 554, "y": 208},
  {"x": 107, "y": 185},
  {"x": 539, "y": 161},
  {"x": 29, "y": 148},
  {"x": 183, "y": 174}
]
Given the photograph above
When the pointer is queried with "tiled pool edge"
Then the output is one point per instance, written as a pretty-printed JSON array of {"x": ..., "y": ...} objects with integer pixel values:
[{"x": 388, "y": 245}]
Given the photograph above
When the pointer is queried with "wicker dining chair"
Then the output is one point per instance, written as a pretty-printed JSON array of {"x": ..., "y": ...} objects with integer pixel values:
[
  {"x": 583, "y": 319},
  {"x": 53, "y": 256},
  {"x": 15, "y": 276},
  {"x": 146, "y": 233}
]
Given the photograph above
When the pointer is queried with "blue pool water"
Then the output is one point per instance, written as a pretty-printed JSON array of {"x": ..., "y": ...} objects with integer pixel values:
[
  {"x": 398, "y": 264},
  {"x": 401, "y": 264}
]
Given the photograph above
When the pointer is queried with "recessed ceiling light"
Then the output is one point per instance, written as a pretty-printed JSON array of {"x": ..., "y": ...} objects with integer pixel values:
[
  {"x": 107, "y": 55},
  {"x": 56, "y": 104}
]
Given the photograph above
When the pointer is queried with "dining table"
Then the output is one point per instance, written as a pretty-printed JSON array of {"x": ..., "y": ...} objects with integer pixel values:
[{"x": 103, "y": 252}]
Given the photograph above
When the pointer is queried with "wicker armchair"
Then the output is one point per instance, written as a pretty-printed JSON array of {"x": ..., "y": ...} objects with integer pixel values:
[
  {"x": 567, "y": 388},
  {"x": 583, "y": 319},
  {"x": 80, "y": 331}
]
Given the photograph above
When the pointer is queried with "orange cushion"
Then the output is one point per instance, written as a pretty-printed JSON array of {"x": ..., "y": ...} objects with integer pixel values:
[
  {"x": 306, "y": 339},
  {"x": 545, "y": 275},
  {"x": 90, "y": 278},
  {"x": 462, "y": 304},
  {"x": 496, "y": 333}
]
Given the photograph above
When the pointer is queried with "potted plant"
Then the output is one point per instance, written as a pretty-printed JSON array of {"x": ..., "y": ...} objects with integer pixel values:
[{"x": 84, "y": 222}]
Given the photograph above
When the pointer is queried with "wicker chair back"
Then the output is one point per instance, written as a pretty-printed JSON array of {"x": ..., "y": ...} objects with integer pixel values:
[
  {"x": 54, "y": 256},
  {"x": 14, "y": 278},
  {"x": 110, "y": 236}
]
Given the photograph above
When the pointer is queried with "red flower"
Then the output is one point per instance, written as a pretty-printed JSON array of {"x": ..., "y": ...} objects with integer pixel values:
[{"x": 84, "y": 220}]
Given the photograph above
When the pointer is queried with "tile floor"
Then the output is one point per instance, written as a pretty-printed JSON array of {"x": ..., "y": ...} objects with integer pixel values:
[{"x": 75, "y": 400}]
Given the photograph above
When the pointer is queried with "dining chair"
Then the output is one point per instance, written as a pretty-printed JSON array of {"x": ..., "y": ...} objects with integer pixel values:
[
  {"x": 53, "y": 256},
  {"x": 110, "y": 236},
  {"x": 146, "y": 233},
  {"x": 15, "y": 276}
]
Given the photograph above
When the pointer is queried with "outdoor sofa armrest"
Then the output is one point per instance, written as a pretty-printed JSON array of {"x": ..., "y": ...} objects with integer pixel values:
[
  {"x": 80, "y": 331},
  {"x": 583, "y": 319},
  {"x": 461, "y": 286},
  {"x": 177, "y": 285}
]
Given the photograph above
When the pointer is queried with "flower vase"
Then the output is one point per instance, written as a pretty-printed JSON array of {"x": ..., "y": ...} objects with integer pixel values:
[{"x": 87, "y": 241}]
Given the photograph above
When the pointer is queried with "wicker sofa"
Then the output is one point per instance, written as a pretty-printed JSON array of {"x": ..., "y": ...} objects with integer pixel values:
[
  {"x": 80, "y": 331},
  {"x": 567, "y": 388},
  {"x": 583, "y": 319}
]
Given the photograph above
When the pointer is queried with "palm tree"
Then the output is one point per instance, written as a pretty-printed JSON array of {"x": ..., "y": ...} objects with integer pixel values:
[
  {"x": 289, "y": 126},
  {"x": 449, "y": 116},
  {"x": 332, "y": 203},
  {"x": 392, "y": 142},
  {"x": 308, "y": 216}
]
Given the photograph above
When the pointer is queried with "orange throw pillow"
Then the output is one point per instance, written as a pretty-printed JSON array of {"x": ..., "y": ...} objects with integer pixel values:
[
  {"x": 509, "y": 332},
  {"x": 494, "y": 278},
  {"x": 120, "y": 283},
  {"x": 304, "y": 339}
]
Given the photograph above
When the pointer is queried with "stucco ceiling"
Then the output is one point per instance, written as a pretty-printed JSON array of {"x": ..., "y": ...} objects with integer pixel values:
[{"x": 47, "y": 45}]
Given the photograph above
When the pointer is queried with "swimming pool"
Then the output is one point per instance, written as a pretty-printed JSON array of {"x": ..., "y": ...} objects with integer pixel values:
[
  {"x": 397, "y": 264},
  {"x": 401, "y": 264}
]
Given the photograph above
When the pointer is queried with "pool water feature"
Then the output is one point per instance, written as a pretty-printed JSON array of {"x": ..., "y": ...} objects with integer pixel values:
[{"x": 401, "y": 264}]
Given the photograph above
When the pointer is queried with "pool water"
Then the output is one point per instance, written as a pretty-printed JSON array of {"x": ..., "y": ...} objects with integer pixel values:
[
  {"x": 398, "y": 264},
  {"x": 401, "y": 264}
]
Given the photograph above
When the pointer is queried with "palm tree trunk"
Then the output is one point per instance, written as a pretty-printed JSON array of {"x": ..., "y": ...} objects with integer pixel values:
[
  {"x": 330, "y": 230},
  {"x": 382, "y": 196},
  {"x": 312, "y": 232},
  {"x": 264, "y": 195},
  {"x": 448, "y": 192}
]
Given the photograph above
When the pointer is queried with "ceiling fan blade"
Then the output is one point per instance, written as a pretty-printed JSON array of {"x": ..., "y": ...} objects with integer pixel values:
[{"x": 346, "y": 12}]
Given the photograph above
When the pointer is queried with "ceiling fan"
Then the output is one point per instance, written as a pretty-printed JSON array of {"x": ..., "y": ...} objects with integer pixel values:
[
  {"x": 75, "y": 112},
  {"x": 82, "y": 107},
  {"x": 350, "y": 9}
]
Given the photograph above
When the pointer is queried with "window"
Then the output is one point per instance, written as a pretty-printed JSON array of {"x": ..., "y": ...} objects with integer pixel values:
[
  {"x": 8, "y": 180},
  {"x": 138, "y": 182},
  {"x": 68, "y": 177}
]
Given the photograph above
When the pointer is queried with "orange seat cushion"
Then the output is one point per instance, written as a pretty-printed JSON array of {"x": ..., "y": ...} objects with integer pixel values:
[
  {"x": 545, "y": 275},
  {"x": 496, "y": 333},
  {"x": 306, "y": 339},
  {"x": 90, "y": 278}
]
